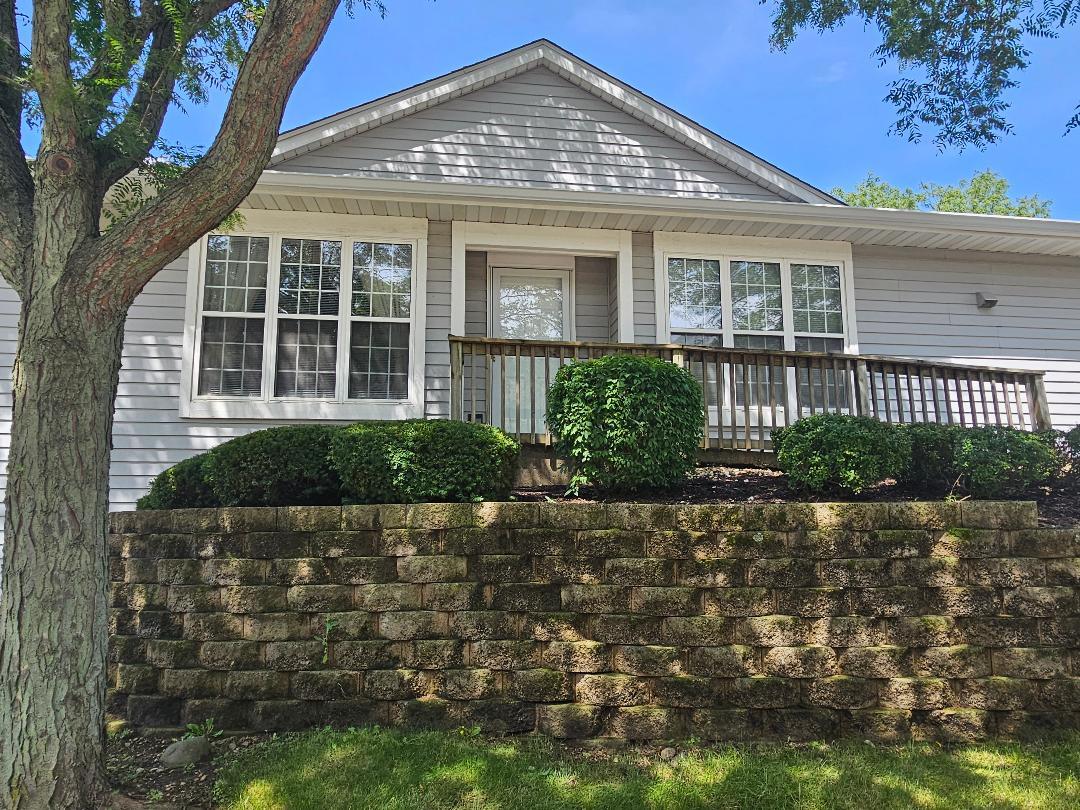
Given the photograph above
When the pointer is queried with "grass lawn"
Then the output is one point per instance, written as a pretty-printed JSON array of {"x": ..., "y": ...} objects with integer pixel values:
[{"x": 393, "y": 770}]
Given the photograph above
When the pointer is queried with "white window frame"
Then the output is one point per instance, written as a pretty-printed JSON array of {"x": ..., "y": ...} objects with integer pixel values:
[
  {"x": 727, "y": 249},
  {"x": 339, "y": 227}
]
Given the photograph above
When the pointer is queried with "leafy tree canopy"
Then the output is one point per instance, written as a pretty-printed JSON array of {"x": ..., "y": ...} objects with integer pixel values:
[
  {"x": 960, "y": 57},
  {"x": 986, "y": 192}
]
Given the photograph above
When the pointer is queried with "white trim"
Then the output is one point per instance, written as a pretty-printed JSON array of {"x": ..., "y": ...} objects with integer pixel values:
[
  {"x": 547, "y": 54},
  {"x": 751, "y": 248},
  {"x": 277, "y": 224},
  {"x": 1049, "y": 236},
  {"x": 457, "y": 278},
  {"x": 625, "y": 287}
]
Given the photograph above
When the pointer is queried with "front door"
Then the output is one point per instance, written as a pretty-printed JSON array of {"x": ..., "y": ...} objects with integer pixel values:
[{"x": 527, "y": 304}]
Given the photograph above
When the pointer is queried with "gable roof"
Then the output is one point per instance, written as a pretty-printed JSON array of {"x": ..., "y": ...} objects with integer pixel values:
[{"x": 543, "y": 53}]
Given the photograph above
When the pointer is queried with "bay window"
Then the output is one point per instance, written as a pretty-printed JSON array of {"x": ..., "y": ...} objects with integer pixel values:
[{"x": 311, "y": 321}]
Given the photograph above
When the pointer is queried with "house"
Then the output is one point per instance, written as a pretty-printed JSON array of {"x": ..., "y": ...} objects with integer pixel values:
[{"x": 441, "y": 251}]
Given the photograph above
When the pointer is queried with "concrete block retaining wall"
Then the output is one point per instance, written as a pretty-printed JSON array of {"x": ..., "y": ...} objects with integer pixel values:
[{"x": 949, "y": 621}]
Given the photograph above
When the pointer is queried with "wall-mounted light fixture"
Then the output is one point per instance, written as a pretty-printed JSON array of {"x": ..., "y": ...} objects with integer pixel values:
[{"x": 983, "y": 301}]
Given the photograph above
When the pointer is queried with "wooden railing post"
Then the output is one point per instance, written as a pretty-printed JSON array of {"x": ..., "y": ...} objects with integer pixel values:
[
  {"x": 457, "y": 381},
  {"x": 1040, "y": 416},
  {"x": 862, "y": 386}
]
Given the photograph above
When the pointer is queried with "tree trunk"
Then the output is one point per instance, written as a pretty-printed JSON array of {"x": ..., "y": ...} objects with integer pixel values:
[{"x": 53, "y": 634}]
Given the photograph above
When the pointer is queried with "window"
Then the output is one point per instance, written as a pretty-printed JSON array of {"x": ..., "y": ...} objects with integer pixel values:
[{"x": 293, "y": 324}]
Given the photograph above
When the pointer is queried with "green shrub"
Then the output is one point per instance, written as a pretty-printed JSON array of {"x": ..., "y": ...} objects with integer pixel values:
[
  {"x": 835, "y": 453},
  {"x": 1072, "y": 438},
  {"x": 181, "y": 486},
  {"x": 626, "y": 423},
  {"x": 933, "y": 457},
  {"x": 424, "y": 460},
  {"x": 999, "y": 462},
  {"x": 279, "y": 466}
]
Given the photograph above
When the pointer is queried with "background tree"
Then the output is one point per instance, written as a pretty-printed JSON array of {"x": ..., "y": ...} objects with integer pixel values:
[
  {"x": 97, "y": 81},
  {"x": 986, "y": 192},
  {"x": 963, "y": 56}
]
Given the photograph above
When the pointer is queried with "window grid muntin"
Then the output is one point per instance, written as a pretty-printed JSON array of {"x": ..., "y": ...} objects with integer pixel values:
[
  {"x": 801, "y": 271},
  {"x": 248, "y": 373},
  {"x": 751, "y": 277},
  {"x": 698, "y": 282},
  {"x": 311, "y": 277},
  {"x": 231, "y": 264},
  {"x": 343, "y": 319}
]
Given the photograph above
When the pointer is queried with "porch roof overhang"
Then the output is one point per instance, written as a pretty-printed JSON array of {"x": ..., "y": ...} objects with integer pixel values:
[{"x": 641, "y": 212}]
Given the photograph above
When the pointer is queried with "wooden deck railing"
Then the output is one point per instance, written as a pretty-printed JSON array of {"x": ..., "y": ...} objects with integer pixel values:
[{"x": 748, "y": 392}]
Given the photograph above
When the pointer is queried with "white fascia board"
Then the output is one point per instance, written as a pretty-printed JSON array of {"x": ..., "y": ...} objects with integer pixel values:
[{"x": 795, "y": 213}]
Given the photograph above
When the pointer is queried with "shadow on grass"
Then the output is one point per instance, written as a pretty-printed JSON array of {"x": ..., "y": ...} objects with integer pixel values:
[{"x": 391, "y": 770}]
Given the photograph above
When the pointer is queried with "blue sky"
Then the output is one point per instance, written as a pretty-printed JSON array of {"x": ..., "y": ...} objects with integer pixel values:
[{"x": 815, "y": 110}]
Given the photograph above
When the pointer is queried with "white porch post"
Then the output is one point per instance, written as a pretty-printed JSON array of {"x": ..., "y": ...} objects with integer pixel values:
[
  {"x": 457, "y": 278},
  {"x": 625, "y": 287}
]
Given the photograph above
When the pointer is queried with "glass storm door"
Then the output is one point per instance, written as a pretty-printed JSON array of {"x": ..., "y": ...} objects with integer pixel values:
[{"x": 526, "y": 305}]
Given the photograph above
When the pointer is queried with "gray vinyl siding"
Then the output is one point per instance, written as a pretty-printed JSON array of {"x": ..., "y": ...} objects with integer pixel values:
[
  {"x": 644, "y": 288},
  {"x": 537, "y": 130},
  {"x": 921, "y": 303},
  {"x": 476, "y": 301},
  {"x": 592, "y": 320},
  {"x": 437, "y": 349}
]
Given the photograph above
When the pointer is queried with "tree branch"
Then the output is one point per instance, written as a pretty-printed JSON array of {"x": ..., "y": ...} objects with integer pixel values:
[
  {"x": 10, "y": 67},
  {"x": 117, "y": 265},
  {"x": 50, "y": 60}
]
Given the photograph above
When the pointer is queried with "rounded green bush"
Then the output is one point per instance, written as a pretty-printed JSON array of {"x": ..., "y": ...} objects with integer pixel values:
[
  {"x": 1000, "y": 462},
  {"x": 181, "y": 486},
  {"x": 835, "y": 453},
  {"x": 279, "y": 466},
  {"x": 424, "y": 460},
  {"x": 626, "y": 423},
  {"x": 933, "y": 457}
]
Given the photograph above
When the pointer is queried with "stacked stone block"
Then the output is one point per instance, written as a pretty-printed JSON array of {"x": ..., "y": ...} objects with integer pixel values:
[{"x": 944, "y": 621}]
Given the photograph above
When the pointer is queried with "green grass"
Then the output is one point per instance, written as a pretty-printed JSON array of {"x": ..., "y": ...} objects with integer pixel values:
[{"x": 393, "y": 770}]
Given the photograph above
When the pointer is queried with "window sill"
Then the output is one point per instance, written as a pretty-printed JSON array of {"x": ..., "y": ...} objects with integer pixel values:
[{"x": 300, "y": 411}]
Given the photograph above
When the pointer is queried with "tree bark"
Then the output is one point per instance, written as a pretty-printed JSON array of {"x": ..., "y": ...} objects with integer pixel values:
[{"x": 54, "y": 617}]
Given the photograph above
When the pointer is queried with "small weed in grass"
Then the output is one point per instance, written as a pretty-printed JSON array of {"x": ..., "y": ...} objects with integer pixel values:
[{"x": 393, "y": 770}]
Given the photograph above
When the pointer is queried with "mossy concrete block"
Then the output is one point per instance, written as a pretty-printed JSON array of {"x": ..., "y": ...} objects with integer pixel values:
[
  {"x": 811, "y": 602},
  {"x": 506, "y": 515},
  {"x": 997, "y": 631},
  {"x": 883, "y": 726},
  {"x": 1047, "y": 543},
  {"x": 573, "y": 516},
  {"x": 556, "y": 626},
  {"x": 505, "y": 655},
  {"x": 406, "y": 542},
  {"x": 688, "y": 691},
  {"x": 739, "y": 602},
  {"x": 188, "y": 683},
  {"x": 253, "y": 598},
  {"x": 625, "y": 629},
  {"x": 540, "y": 685},
  {"x": 773, "y": 631},
  {"x": 291, "y": 656},
  {"x": 645, "y": 723},
  {"x": 502, "y": 568},
  {"x": 427, "y": 713},
  {"x": 924, "y": 631},
  {"x": 935, "y": 572},
  {"x": 800, "y": 662},
  {"x": 764, "y": 692},
  {"x": 609, "y": 543},
  {"x": 1060, "y": 693},
  {"x": 999, "y": 514},
  {"x": 917, "y": 693},
  {"x": 730, "y": 661},
  {"x": 611, "y": 690},
  {"x": 800, "y": 725},
  {"x": 573, "y": 721},
  {"x": 134, "y": 679},
  {"x": 358, "y": 655},
  {"x": 411, "y": 624},
  {"x": 529, "y": 598},
  {"x": 595, "y": 599},
  {"x": 709, "y": 517},
  {"x": 475, "y": 625},
  {"x": 435, "y": 568},
  {"x": 309, "y": 518},
  {"x": 647, "y": 660},
  {"x": 256, "y": 685},
  {"x": 897, "y": 600},
  {"x": 212, "y": 626},
  {"x": 924, "y": 514},
  {"x": 666, "y": 601},
  {"x": 697, "y": 631},
  {"x": 1046, "y": 601},
  {"x": 324, "y": 685},
  {"x": 971, "y": 600},
  {"x": 497, "y": 715},
  {"x": 855, "y": 573},
  {"x": 313, "y": 598},
  {"x": 649, "y": 571},
  {"x": 1015, "y": 572},
  {"x": 954, "y": 725},
  {"x": 172, "y": 654},
  {"x": 342, "y": 544},
  {"x": 394, "y": 684},
  {"x": 997, "y": 693},
  {"x": 195, "y": 599},
  {"x": 958, "y": 661},
  {"x": 721, "y": 725},
  {"x": 845, "y": 631},
  {"x": 1038, "y": 663},
  {"x": 276, "y": 627},
  {"x": 466, "y": 684},
  {"x": 229, "y": 655},
  {"x": 842, "y": 692},
  {"x": 453, "y": 596},
  {"x": 440, "y": 515},
  {"x": 388, "y": 596},
  {"x": 305, "y": 571},
  {"x": 570, "y": 570},
  {"x": 242, "y": 519},
  {"x": 577, "y": 656},
  {"x": 433, "y": 653},
  {"x": 280, "y": 715},
  {"x": 876, "y": 662},
  {"x": 363, "y": 570},
  {"x": 781, "y": 572},
  {"x": 1063, "y": 572}
]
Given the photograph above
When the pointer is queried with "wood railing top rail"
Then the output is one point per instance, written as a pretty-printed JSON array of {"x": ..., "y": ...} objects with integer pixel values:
[{"x": 728, "y": 350}]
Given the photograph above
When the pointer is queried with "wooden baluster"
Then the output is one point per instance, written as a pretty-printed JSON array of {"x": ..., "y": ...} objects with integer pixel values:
[
  {"x": 705, "y": 442},
  {"x": 532, "y": 393},
  {"x": 922, "y": 394},
  {"x": 747, "y": 443},
  {"x": 772, "y": 392},
  {"x": 971, "y": 399},
  {"x": 994, "y": 394},
  {"x": 472, "y": 382},
  {"x": 885, "y": 392},
  {"x": 863, "y": 388},
  {"x": 760, "y": 401},
  {"x": 982, "y": 397},
  {"x": 899, "y": 394},
  {"x": 734, "y": 402},
  {"x": 810, "y": 384},
  {"x": 1020, "y": 417},
  {"x": 910, "y": 392},
  {"x": 1037, "y": 394},
  {"x": 547, "y": 388},
  {"x": 457, "y": 408},
  {"x": 873, "y": 389},
  {"x": 933, "y": 391},
  {"x": 1004, "y": 395},
  {"x": 836, "y": 406},
  {"x": 502, "y": 390},
  {"x": 719, "y": 399},
  {"x": 948, "y": 396},
  {"x": 849, "y": 380}
]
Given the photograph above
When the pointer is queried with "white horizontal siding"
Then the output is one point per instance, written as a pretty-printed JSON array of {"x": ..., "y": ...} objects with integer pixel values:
[
  {"x": 592, "y": 315},
  {"x": 644, "y": 287},
  {"x": 921, "y": 303},
  {"x": 437, "y": 373},
  {"x": 535, "y": 129}
]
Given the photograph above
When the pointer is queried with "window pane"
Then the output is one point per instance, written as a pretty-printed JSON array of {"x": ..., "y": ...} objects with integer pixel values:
[
  {"x": 306, "y": 358},
  {"x": 378, "y": 360},
  {"x": 694, "y": 299},
  {"x": 382, "y": 280},
  {"x": 310, "y": 277},
  {"x": 230, "y": 357},
  {"x": 235, "y": 275},
  {"x": 817, "y": 298},
  {"x": 757, "y": 303}
]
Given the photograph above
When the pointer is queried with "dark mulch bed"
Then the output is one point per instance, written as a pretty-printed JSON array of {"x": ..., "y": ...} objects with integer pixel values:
[
  {"x": 138, "y": 779},
  {"x": 1059, "y": 503}
]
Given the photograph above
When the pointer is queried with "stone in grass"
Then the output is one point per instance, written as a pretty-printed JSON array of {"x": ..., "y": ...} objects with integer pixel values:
[{"x": 185, "y": 752}]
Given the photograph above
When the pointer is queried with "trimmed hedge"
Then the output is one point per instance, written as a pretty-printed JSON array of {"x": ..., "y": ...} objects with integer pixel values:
[
  {"x": 836, "y": 453},
  {"x": 626, "y": 423},
  {"x": 182, "y": 485},
  {"x": 997, "y": 462},
  {"x": 278, "y": 466},
  {"x": 424, "y": 460}
]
